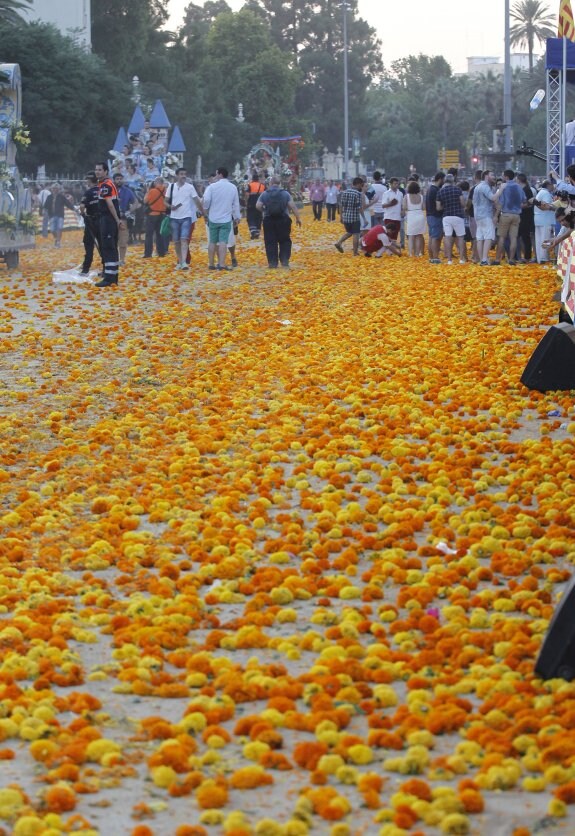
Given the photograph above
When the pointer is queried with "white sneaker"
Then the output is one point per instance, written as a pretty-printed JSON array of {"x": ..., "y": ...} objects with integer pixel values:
[
  {"x": 450, "y": 262},
  {"x": 462, "y": 261}
]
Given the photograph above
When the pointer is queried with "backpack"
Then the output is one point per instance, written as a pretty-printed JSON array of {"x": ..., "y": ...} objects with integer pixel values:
[{"x": 276, "y": 203}]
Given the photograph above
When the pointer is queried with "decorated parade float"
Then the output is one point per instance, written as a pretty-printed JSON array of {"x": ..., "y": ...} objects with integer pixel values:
[{"x": 17, "y": 226}]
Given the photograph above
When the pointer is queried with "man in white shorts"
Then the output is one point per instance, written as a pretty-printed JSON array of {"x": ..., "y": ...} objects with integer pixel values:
[{"x": 451, "y": 202}]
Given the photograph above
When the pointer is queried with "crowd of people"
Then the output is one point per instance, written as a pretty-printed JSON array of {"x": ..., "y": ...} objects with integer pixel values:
[
  {"x": 505, "y": 214},
  {"x": 486, "y": 220}
]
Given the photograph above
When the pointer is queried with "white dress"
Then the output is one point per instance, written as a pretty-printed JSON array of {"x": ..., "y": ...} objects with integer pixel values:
[{"x": 415, "y": 216}]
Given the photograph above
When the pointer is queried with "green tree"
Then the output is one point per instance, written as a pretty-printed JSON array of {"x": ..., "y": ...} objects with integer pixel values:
[
  {"x": 11, "y": 10},
  {"x": 242, "y": 64},
  {"x": 312, "y": 34},
  {"x": 416, "y": 72},
  {"x": 128, "y": 33},
  {"x": 72, "y": 103},
  {"x": 533, "y": 22}
]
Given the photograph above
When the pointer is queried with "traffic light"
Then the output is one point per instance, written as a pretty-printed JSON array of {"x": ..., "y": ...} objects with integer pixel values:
[{"x": 475, "y": 159}]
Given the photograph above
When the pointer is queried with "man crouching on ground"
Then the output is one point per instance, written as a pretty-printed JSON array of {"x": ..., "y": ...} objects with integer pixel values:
[{"x": 377, "y": 242}]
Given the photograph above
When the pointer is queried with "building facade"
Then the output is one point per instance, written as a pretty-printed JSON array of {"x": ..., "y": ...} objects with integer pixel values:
[
  {"x": 484, "y": 64},
  {"x": 70, "y": 17}
]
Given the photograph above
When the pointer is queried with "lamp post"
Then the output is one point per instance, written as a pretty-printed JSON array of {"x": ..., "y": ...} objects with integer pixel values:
[
  {"x": 507, "y": 83},
  {"x": 136, "y": 89},
  {"x": 345, "y": 96},
  {"x": 477, "y": 124}
]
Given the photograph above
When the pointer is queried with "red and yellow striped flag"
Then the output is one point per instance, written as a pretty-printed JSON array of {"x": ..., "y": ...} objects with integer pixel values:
[{"x": 566, "y": 25}]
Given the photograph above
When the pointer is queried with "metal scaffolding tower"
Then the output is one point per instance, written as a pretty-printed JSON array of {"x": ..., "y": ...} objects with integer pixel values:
[{"x": 555, "y": 120}]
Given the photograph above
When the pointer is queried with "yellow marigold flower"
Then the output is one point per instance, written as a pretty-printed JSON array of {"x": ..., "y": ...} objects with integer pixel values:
[
  {"x": 268, "y": 827},
  {"x": 360, "y": 754},
  {"x": 557, "y": 808},
  {"x": 29, "y": 826},
  {"x": 330, "y": 763},
  {"x": 96, "y": 749},
  {"x": 534, "y": 784},
  {"x": 455, "y": 823},
  {"x": 163, "y": 776}
]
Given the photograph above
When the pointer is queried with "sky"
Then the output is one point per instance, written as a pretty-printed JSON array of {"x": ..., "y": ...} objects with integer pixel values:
[{"x": 453, "y": 29}]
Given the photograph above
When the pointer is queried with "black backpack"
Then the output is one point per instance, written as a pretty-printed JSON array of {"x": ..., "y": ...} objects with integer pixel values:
[{"x": 276, "y": 203}]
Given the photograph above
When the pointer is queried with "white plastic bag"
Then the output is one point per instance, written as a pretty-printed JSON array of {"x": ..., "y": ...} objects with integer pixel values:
[{"x": 73, "y": 276}]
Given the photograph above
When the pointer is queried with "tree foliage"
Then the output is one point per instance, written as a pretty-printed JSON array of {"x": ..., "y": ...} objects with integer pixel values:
[
  {"x": 533, "y": 22},
  {"x": 282, "y": 59},
  {"x": 311, "y": 34},
  {"x": 127, "y": 33},
  {"x": 72, "y": 101},
  {"x": 11, "y": 11}
]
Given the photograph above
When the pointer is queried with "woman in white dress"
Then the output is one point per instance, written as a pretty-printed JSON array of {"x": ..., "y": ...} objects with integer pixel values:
[{"x": 412, "y": 210}]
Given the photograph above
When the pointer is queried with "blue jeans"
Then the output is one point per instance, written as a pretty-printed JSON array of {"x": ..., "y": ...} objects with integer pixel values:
[{"x": 181, "y": 228}]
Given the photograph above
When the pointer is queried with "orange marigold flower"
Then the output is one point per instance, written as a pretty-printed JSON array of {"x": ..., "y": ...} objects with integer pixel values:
[
  {"x": 307, "y": 754},
  {"x": 566, "y": 792},
  {"x": 472, "y": 800},
  {"x": 417, "y": 787},
  {"x": 404, "y": 816},
  {"x": 249, "y": 777},
  {"x": 275, "y": 760},
  {"x": 60, "y": 798},
  {"x": 210, "y": 794}
]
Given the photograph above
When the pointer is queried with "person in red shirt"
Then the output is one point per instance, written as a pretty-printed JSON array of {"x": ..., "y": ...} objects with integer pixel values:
[{"x": 377, "y": 242}]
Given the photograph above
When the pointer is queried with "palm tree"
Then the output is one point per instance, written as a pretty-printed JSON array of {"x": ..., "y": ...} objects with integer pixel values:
[
  {"x": 533, "y": 23},
  {"x": 10, "y": 10}
]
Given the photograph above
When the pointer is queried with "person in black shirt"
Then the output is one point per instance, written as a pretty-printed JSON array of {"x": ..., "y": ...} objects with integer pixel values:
[
  {"x": 526, "y": 231},
  {"x": 110, "y": 223},
  {"x": 89, "y": 207},
  {"x": 434, "y": 217}
]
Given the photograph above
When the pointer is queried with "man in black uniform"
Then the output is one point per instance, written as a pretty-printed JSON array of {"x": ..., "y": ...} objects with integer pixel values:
[
  {"x": 110, "y": 223},
  {"x": 89, "y": 207}
]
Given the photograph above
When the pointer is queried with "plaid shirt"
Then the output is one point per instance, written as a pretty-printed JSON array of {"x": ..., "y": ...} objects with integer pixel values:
[
  {"x": 449, "y": 197},
  {"x": 350, "y": 205}
]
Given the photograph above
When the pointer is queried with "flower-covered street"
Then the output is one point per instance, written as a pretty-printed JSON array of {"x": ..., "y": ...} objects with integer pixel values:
[{"x": 278, "y": 549}]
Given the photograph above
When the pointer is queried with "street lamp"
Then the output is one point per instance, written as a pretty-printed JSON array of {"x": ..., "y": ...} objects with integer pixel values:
[
  {"x": 507, "y": 83},
  {"x": 345, "y": 96},
  {"x": 474, "y": 151}
]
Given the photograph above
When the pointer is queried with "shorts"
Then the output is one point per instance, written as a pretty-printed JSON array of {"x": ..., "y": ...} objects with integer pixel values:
[
  {"x": 453, "y": 225},
  {"x": 56, "y": 224},
  {"x": 485, "y": 229},
  {"x": 353, "y": 228},
  {"x": 219, "y": 233},
  {"x": 507, "y": 222},
  {"x": 231, "y": 239},
  {"x": 181, "y": 228},
  {"x": 435, "y": 227},
  {"x": 123, "y": 235}
]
